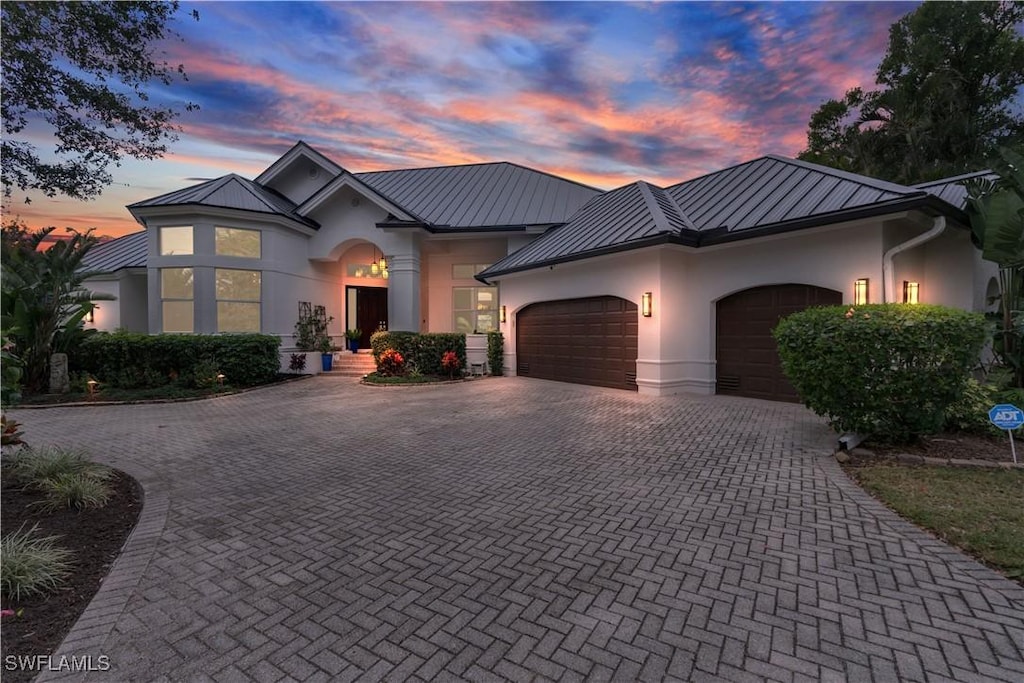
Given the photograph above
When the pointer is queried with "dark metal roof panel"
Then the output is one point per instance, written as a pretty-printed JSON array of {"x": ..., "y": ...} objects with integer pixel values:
[
  {"x": 776, "y": 189},
  {"x": 481, "y": 195},
  {"x": 951, "y": 190},
  {"x": 124, "y": 252},
  {"x": 630, "y": 213},
  {"x": 229, "y": 192}
]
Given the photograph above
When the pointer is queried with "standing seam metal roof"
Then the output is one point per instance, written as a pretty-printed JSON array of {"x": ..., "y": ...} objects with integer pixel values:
[
  {"x": 950, "y": 189},
  {"x": 231, "y": 191},
  {"x": 767, "y": 193},
  {"x": 481, "y": 195},
  {"x": 124, "y": 252}
]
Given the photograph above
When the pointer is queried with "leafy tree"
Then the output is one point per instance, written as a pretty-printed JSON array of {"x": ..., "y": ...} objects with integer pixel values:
[
  {"x": 43, "y": 300},
  {"x": 945, "y": 102},
  {"x": 79, "y": 71},
  {"x": 996, "y": 210}
]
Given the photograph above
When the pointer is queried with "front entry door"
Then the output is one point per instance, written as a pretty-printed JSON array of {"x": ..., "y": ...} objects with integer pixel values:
[{"x": 371, "y": 312}]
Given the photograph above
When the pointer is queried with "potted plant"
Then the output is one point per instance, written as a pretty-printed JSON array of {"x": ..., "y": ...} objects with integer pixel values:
[
  {"x": 326, "y": 354},
  {"x": 353, "y": 337}
]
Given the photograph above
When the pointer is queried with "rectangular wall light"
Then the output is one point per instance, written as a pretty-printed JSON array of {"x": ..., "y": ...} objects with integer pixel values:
[
  {"x": 860, "y": 291},
  {"x": 502, "y": 316},
  {"x": 911, "y": 292},
  {"x": 645, "y": 304}
]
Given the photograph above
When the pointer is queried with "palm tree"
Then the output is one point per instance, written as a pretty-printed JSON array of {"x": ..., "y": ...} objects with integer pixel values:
[{"x": 43, "y": 299}]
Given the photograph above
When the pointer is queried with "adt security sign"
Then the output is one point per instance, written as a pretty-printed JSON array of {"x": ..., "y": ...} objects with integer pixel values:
[{"x": 1008, "y": 417}]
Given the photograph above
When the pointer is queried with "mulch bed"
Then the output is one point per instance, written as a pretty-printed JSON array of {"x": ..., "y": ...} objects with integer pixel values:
[
  {"x": 95, "y": 536},
  {"x": 958, "y": 446}
]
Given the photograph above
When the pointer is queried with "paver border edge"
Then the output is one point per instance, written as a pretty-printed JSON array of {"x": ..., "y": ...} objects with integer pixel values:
[
  {"x": 985, "y": 576},
  {"x": 89, "y": 634}
]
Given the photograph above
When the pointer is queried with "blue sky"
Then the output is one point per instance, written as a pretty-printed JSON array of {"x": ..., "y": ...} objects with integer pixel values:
[{"x": 604, "y": 93}]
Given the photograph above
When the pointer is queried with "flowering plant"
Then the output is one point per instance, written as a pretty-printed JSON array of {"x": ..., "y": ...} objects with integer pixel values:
[
  {"x": 450, "y": 363},
  {"x": 391, "y": 364}
]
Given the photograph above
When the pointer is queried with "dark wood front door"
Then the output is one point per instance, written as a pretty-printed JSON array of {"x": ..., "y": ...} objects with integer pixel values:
[
  {"x": 371, "y": 312},
  {"x": 746, "y": 353},
  {"x": 585, "y": 341}
]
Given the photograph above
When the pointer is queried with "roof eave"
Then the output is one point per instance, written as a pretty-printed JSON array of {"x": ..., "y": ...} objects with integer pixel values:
[
  {"x": 926, "y": 202},
  {"x": 143, "y": 212}
]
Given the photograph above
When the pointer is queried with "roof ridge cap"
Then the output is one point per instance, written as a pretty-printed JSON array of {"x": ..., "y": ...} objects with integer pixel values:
[
  {"x": 647, "y": 189},
  {"x": 877, "y": 183},
  {"x": 660, "y": 219}
]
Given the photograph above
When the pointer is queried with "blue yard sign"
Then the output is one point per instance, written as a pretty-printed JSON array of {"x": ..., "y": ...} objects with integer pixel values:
[{"x": 1008, "y": 417}]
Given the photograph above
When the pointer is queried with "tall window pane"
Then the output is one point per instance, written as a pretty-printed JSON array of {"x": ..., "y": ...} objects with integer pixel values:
[
  {"x": 176, "y": 299},
  {"x": 474, "y": 309},
  {"x": 238, "y": 242},
  {"x": 176, "y": 241},
  {"x": 238, "y": 300}
]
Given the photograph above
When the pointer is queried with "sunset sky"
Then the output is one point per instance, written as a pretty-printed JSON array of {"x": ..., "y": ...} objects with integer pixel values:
[{"x": 604, "y": 93}]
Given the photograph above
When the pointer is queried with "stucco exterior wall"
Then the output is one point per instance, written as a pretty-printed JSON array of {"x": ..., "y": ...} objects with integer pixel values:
[
  {"x": 107, "y": 314},
  {"x": 676, "y": 345},
  {"x": 438, "y": 257}
]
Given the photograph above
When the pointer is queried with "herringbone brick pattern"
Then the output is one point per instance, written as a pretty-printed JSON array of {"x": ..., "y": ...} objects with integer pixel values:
[{"x": 515, "y": 529}]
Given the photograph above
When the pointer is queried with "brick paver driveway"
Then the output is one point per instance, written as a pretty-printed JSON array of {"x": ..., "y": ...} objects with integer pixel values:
[{"x": 517, "y": 529}]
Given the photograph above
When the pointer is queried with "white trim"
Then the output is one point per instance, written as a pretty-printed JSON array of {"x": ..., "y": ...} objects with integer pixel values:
[
  {"x": 300, "y": 149},
  {"x": 348, "y": 180}
]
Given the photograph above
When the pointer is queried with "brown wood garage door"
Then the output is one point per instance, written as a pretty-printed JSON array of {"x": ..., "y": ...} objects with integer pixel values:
[
  {"x": 748, "y": 359},
  {"x": 585, "y": 341}
]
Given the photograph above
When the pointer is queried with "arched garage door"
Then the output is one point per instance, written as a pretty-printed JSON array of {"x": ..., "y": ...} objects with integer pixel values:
[
  {"x": 748, "y": 359},
  {"x": 585, "y": 341}
]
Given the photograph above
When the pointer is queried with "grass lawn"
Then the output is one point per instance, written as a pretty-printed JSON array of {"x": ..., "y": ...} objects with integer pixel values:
[{"x": 979, "y": 511}]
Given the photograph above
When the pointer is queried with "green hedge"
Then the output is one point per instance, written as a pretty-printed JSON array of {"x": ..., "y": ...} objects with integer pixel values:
[
  {"x": 130, "y": 360},
  {"x": 420, "y": 351},
  {"x": 891, "y": 370},
  {"x": 496, "y": 353}
]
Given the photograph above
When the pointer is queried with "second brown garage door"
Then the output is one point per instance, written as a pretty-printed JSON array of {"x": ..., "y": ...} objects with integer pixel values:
[
  {"x": 585, "y": 341},
  {"x": 748, "y": 359}
]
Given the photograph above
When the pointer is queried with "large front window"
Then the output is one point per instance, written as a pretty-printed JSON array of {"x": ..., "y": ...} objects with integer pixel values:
[
  {"x": 237, "y": 242},
  {"x": 474, "y": 309},
  {"x": 238, "y": 300},
  {"x": 176, "y": 240},
  {"x": 176, "y": 299}
]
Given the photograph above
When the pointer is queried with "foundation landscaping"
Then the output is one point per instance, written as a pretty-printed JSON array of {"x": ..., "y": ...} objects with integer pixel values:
[{"x": 428, "y": 358}]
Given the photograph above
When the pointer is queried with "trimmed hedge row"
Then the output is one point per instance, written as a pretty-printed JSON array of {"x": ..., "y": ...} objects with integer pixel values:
[
  {"x": 420, "y": 351},
  {"x": 892, "y": 370},
  {"x": 130, "y": 360}
]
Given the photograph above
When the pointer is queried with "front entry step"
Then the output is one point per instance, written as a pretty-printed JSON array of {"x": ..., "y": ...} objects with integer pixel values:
[{"x": 352, "y": 364}]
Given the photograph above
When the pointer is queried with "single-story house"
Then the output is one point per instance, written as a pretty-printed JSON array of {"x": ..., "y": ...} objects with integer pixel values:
[{"x": 656, "y": 289}]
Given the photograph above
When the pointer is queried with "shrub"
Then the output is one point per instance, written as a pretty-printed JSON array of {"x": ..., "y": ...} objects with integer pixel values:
[
  {"x": 496, "y": 353},
  {"x": 76, "y": 490},
  {"x": 450, "y": 363},
  {"x": 391, "y": 364},
  {"x": 129, "y": 360},
  {"x": 297, "y": 362},
  {"x": 969, "y": 413},
  {"x": 424, "y": 351},
  {"x": 886, "y": 369},
  {"x": 31, "y": 564},
  {"x": 33, "y": 466},
  {"x": 10, "y": 432}
]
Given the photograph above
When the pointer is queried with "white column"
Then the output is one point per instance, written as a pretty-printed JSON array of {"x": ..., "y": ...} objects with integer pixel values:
[{"x": 404, "y": 290}]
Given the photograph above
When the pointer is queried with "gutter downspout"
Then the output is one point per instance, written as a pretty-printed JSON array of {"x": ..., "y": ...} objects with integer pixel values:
[{"x": 889, "y": 273}]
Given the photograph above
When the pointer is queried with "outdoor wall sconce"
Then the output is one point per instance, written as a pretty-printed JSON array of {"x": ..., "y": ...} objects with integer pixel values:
[
  {"x": 502, "y": 316},
  {"x": 911, "y": 292},
  {"x": 860, "y": 292},
  {"x": 90, "y": 317},
  {"x": 645, "y": 305}
]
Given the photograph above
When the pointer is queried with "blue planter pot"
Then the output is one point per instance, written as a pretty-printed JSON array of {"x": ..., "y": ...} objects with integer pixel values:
[
  {"x": 353, "y": 345},
  {"x": 327, "y": 361}
]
